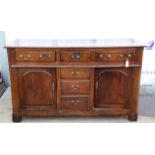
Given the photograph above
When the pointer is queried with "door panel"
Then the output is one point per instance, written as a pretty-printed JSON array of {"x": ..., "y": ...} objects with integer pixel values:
[
  {"x": 37, "y": 86},
  {"x": 113, "y": 88}
]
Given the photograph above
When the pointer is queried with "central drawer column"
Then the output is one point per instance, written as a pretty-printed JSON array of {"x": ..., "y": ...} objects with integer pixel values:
[{"x": 75, "y": 86}]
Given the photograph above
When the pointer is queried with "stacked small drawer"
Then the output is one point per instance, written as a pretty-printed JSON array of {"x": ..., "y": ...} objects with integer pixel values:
[{"x": 75, "y": 88}]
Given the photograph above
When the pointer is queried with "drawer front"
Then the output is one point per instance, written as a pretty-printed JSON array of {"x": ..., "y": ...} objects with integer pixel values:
[
  {"x": 75, "y": 56},
  {"x": 35, "y": 55},
  {"x": 75, "y": 73},
  {"x": 115, "y": 56},
  {"x": 74, "y": 103},
  {"x": 74, "y": 87}
]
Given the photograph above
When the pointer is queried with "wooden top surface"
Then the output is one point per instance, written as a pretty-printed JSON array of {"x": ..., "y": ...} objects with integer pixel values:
[{"x": 74, "y": 43}]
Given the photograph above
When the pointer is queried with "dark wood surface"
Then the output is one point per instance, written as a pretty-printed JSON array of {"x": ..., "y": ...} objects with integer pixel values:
[
  {"x": 113, "y": 88},
  {"x": 37, "y": 86},
  {"x": 68, "y": 81}
]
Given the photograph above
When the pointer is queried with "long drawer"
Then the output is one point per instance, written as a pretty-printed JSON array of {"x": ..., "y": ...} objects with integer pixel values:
[
  {"x": 116, "y": 56},
  {"x": 35, "y": 55}
]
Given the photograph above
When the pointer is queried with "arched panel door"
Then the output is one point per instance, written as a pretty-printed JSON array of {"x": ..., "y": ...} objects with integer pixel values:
[
  {"x": 113, "y": 88},
  {"x": 37, "y": 87}
]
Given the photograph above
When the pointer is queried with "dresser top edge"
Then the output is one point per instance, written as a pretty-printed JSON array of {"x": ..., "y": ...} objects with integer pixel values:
[{"x": 75, "y": 43}]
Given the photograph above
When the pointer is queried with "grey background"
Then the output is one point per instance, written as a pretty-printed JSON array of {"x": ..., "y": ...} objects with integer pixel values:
[{"x": 4, "y": 59}]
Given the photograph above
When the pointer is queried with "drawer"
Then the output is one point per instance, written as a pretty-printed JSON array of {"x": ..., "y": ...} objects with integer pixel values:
[
  {"x": 116, "y": 55},
  {"x": 74, "y": 103},
  {"x": 35, "y": 55},
  {"x": 74, "y": 87},
  {"x": 75, "y": 73},
  {"x": 71, "y": 55}
]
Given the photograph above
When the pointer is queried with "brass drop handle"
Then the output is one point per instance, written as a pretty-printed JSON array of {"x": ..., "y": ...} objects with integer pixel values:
[
  {"x": 78, "y": 101},
  {"x": 109, "y": 56},
  {"x": 75, "y": 86},
  {"x": 101, "y": 55},
  {"x": 75, "y": 73},
  {"x": 21, "y": 55},
  {"x": 76, "y": 56},
  {"x": 29, "y": 55},
  {"x": 75, "y": 102},
  {"x": 121, "y": 55},
  {"x": 44, "y": 55},
  {"x": 25, "y": 57}
]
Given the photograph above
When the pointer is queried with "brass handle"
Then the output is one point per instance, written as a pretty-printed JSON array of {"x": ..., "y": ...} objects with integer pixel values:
[
  {"x": 76, "y": 56},
  {"x": 75, "y": 102},
  {"x": 75, "y": 73},
  {"x": 45, "y": 56},
  {"x": 25, "y": 57},
  {"x": 121, "y": 55},
  {"x": 21, "y": 55},
  {"x": 109, "y": 56},
  {"x": 101, "y": 55},
  {"x": 29, "y": 55},
  {"x": 106, "y": 57},
  {"x": 75, "y": 86}
]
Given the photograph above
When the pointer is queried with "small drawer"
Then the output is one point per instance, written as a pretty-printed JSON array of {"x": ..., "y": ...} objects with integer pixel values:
[
  {"x": 74, "y": 103},
  {"x": 75, "y": 73},
  {"x": 74, "y": 87},
  {"x": 114, "y": 55},
  {"x": 35, "y": 55},
  {"x": 72, "y": 55}
]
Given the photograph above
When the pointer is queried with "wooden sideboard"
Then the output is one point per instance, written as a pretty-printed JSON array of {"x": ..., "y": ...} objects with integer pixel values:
[{"x": 75, "y": 77}]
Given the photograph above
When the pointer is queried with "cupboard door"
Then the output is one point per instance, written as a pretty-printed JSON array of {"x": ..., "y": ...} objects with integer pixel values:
[
  {"x": 113, "y": 88},
  {"x": 37, "y": 87}
]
